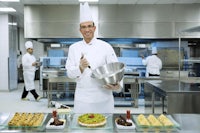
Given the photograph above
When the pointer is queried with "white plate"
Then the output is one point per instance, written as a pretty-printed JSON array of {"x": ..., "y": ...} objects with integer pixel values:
[
  {"x": 48, "y": 126},
  {"x": 125, "y": 127}
]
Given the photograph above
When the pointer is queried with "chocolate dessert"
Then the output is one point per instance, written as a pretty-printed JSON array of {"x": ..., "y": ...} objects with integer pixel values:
[
  {"x": 56, "y": 122},
  {"x": 122, "y": 121}
]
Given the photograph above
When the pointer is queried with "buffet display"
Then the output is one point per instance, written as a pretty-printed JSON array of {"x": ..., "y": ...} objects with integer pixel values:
[{"x": 87, "y": 121}]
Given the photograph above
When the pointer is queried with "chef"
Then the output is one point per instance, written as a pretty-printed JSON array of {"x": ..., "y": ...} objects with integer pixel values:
[
  {"x": 29, "y": 67},
  {"x": 83, "y": 56},
  {"x": 153, "y": 63}
]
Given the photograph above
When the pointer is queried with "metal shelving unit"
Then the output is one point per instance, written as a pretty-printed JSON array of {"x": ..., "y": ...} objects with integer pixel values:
[{"x": 191, "y": 33}]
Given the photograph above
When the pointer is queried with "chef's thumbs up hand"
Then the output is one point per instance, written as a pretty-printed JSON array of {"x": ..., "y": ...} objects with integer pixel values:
[{"x": 83, "y": 63}]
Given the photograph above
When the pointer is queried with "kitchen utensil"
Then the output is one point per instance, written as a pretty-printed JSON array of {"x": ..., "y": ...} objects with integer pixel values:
[{"x": 111, "y": 73}]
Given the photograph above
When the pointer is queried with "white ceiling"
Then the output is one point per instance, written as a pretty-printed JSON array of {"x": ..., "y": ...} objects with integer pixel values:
[{"x": 18, "y": 6}]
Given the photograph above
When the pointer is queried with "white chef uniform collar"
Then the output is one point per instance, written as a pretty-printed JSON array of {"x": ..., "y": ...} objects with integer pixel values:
[
  {"x": 28, "y": 44},
  {"x": 154, "y": 50},
  {"x": 91, "y": 42},
  {"x": 85, "y": 12}
]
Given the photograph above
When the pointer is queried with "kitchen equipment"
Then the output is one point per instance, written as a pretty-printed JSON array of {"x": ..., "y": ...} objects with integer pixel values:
[{"x": 110, "y": 73}]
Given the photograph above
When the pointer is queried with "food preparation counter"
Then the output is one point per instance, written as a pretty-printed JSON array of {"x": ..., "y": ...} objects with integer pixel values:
[
  {"x": 187, "y": 123},
  {"x": 132, "y": 80},
  {"x": 180, "y": 97},
  {"x": 128, "y": 79}
]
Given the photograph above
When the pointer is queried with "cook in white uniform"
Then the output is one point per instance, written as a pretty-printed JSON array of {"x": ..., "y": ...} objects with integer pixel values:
[
  {"x": 153, "y": 64},
  {"x": 29, "y": 67},
  {"x": 90, "y": 94}
]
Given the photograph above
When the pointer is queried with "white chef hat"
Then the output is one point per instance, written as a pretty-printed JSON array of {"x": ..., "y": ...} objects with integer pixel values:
[
  {"x": 85, "y": 12},
  {"x": 154, "y": 50},
  {"x": 28, "y": 44}
]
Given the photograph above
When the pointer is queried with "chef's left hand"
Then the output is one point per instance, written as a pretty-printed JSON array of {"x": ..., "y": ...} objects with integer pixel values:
[{"x": 112, "y": 87}]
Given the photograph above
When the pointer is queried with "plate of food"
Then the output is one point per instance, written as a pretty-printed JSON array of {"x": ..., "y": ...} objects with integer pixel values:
[
  {"x": 123, "y": 123},
  {"x": 55, "y": 123},
  {"x": 92, "y": 121},
  {"x": 155, "y": 122},
  {"x": 24, "y": 119}
]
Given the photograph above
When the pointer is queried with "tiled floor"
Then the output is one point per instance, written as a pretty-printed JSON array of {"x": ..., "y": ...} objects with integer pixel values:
[{"x": 11, "y": 102}]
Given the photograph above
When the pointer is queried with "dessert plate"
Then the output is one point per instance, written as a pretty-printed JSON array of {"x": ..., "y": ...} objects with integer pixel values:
[
  {"x": 125, "y": 127},
  {"x": 48, "y": 126}
]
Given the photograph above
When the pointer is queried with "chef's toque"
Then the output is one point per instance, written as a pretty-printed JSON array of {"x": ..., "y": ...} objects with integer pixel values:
[
  {"x": 85, "y": 12},
  {"x": 154, "y": 50},
  {"x": 28, "y": 44}
]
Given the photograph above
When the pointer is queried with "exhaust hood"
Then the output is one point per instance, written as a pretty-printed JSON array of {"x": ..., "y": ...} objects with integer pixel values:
[{"x": 112, "y": 21}]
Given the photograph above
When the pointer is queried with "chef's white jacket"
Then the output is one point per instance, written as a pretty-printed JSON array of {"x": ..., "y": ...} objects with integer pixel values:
[
  {"x": 153, "y": 65},
  {"x": 88, "y": 90},
  {"x": 28, "y": 71}
]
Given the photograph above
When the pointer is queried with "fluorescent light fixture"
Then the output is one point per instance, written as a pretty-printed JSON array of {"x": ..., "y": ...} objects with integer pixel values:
[
  {"x": 7, "y": 9},
  {"x": 14, "y": 24},
  {"x": 88, "y": 0},
  {"x": 10, "y": 0},
  {"x": 55, "y": 45}
]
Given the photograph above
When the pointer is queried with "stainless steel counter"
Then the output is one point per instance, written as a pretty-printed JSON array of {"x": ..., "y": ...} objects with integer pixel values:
[
  {"x": 181, "y": 97},
  {"x": 132, "y": 80},
  {"x": 127, "y": 79},
  {"x": 189, "y": 123}
]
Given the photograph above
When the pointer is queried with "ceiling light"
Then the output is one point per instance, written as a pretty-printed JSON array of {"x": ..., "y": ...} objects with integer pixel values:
[
  {"x": 12, "y": 23},
  {"x": 88, "y": 0},
  {"x": 7, "y": 9},
  {"x": 10, "y": 0}
]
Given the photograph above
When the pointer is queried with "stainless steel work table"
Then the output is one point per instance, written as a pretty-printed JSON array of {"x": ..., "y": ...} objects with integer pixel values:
[
  {"x": 60, "y": 79},
  {"x": 132, "y": 80},
  {"x": 127, "y": 80},
  {"x": 181, "y": 97},
  {"x": 189, "y": 123}
]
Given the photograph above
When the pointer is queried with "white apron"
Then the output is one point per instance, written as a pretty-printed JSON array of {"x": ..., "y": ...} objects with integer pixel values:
[
  {"x": 29, "y": 80},
  {"x": 28, "y": 71},
  {"x": 100, "y": 107}
]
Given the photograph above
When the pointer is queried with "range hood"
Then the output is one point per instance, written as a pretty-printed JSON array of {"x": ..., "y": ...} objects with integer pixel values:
[{"x": 112, "y": 21}]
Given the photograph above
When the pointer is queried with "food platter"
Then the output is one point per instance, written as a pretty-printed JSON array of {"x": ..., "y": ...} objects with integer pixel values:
[
  {"x": 76, "y": 125},
  {"x": 151, "y": 128},
  {"x": 11, "y": 116},
  {"x": 49, "y": 126}
]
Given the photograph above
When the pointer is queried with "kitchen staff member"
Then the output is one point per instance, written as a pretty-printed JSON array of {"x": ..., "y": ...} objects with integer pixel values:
[
  {"x": 29, "y": 67},
  {"x": 153, "y": 64},
  {"x": 90, "y": 94}
]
